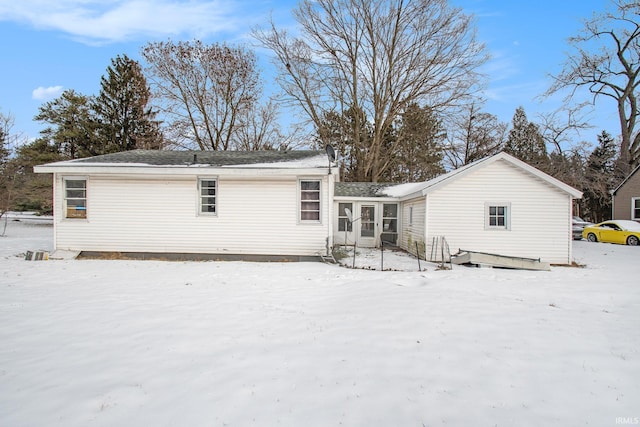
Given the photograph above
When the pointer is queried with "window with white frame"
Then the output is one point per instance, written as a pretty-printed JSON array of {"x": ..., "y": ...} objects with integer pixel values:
[
  {"x": 208, "y": 190},
  {"x": 635, "y": 208},
  {"x": 389, "y": 223},
  {"x": 343, "y": 219},
  {"x": 497, "y": 216},
  {"x": 75, "y": 197},
  {"x": 309, "y": 200}
]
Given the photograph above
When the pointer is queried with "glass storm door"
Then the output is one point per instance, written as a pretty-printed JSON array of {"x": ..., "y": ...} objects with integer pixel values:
[{"x": 367, "y": 226}]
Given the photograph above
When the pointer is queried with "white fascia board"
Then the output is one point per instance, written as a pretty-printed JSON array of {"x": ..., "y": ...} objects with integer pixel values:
[
  {"x": 149, "y": 170},
  {"x": 513, "y": 161},
  {"x": 365, "y": 199},
  {"x": 576, "y": 194},
  {"x": 415, "y": 195}
]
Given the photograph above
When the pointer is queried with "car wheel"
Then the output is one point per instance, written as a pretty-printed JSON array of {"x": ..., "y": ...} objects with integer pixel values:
[
  {"x": 632, "y": 241},
  {"x": 592, "y": 237}
]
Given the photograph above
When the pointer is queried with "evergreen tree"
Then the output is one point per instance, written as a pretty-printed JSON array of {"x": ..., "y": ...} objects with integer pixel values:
[
  {"x": 126, "y": 122},
  {"x": 599, "y": 179},
  {"x": 349, "y": 132},
  {"x": 417, "y": 152},
  {"x": 74, "y": 129},
  {"x": 33, "y": 191},
  {"x": 526, "y": 142}
]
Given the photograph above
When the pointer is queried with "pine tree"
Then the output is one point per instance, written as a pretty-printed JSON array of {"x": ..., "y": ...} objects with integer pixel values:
[
  {"x": 126, "y": 122},
  {"x": 33, "y": 191},
  {"x": 417, "y": 153},
  {"x": 349, "y": 133},
  {"x": 526, "y": 142},
  {"x": 599, "y": 179},
  {"x": 73, "y": 126}
]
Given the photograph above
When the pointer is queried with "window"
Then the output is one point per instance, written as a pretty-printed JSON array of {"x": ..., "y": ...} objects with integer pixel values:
[
  {"x": 310, "y": 200},
  {"x": 410, "y": 215},
  {"x": 208, "y": 194},
  {"x": 389, "y": 223},
  {"x": 343, "y": 219},
  {"x": 75, "y": 197},
  {"x": 497, "y": 216},
  {"x": 635, "y": 208}
]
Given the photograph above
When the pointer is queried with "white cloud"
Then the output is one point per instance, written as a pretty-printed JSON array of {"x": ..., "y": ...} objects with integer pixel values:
[
  {"x": 46, "y": 93},
  {"x": 104, "y": 21}
]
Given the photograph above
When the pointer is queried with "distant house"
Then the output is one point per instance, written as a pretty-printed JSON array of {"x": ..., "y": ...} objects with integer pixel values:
[
  {"x": 498, "y": 205},
  {"x": 626, "y": 197},
  {"x": 292, "y": 205}
]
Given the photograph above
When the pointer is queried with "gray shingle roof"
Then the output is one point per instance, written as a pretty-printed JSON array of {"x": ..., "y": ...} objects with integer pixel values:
[
  {"x": 360, "y": 189},
  {"x": 213, "y": 158}
]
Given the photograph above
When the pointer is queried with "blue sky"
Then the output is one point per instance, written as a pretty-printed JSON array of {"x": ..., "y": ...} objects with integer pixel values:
[{"x": 51, "y": 46}]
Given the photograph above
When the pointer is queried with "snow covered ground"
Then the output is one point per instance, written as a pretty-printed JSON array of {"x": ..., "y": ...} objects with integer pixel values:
[{"x": 146, "y": 343}]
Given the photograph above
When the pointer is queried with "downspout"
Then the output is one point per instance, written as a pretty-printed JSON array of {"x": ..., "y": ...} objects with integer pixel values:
[
  {"x": 54, "y": 207},
  {"x": 426, "y": 223},
  {"x": 570, "y": 260},
  {"x": 613, "y": 203}
]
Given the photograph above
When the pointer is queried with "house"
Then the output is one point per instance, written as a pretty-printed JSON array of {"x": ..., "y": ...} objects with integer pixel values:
[
  {"x": 497, "y": 205},
  {"x": 272, "y": 205},
  {"x": 291, "y": 205},
  {"x": 626, "y": 197}
]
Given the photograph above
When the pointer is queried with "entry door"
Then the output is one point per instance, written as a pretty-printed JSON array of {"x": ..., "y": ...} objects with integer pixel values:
[{"x": 368, "y": 229}]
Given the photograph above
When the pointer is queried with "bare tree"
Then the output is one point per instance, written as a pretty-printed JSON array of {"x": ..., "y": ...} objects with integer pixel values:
[
  {"x": 259, "y": 129},
  {"x": 378, "y": 57},
  {"x": 6, "y": 174},
  {"x": 473, "y": 135},
  {"x": 202, "y": 89},
  {"x": 557, "y": 127},
  {"x": 8, "y": 167},
  {"x": 606, "y": 61}
]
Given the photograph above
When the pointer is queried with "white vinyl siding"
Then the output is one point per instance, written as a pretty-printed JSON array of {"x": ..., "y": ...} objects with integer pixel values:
[
  {"x": 138, "y": 214},
  {"x": 538, "y": 214},
  {"x": 413, "y": 222}
]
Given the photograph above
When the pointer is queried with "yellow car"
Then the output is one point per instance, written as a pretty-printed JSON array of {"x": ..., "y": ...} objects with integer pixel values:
[{"x": 624, "y": 232}]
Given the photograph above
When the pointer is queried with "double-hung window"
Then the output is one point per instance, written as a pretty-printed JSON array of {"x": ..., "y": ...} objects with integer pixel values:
[
  {"x": 208, "y": 196},
  {"x": 309, "y": 200},
  {"x": 497, "y": 216},
  {"x": 635, "y": 208},
  {"x": 75, "y": 197}
]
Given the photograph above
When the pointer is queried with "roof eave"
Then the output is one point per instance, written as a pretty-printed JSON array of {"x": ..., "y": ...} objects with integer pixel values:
[
  {"x": 97, "y": 169},
  {"x": 624, "y": 181},
  {"x": 514, "y": 161},
  {"x": 366, "y": 198}
]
